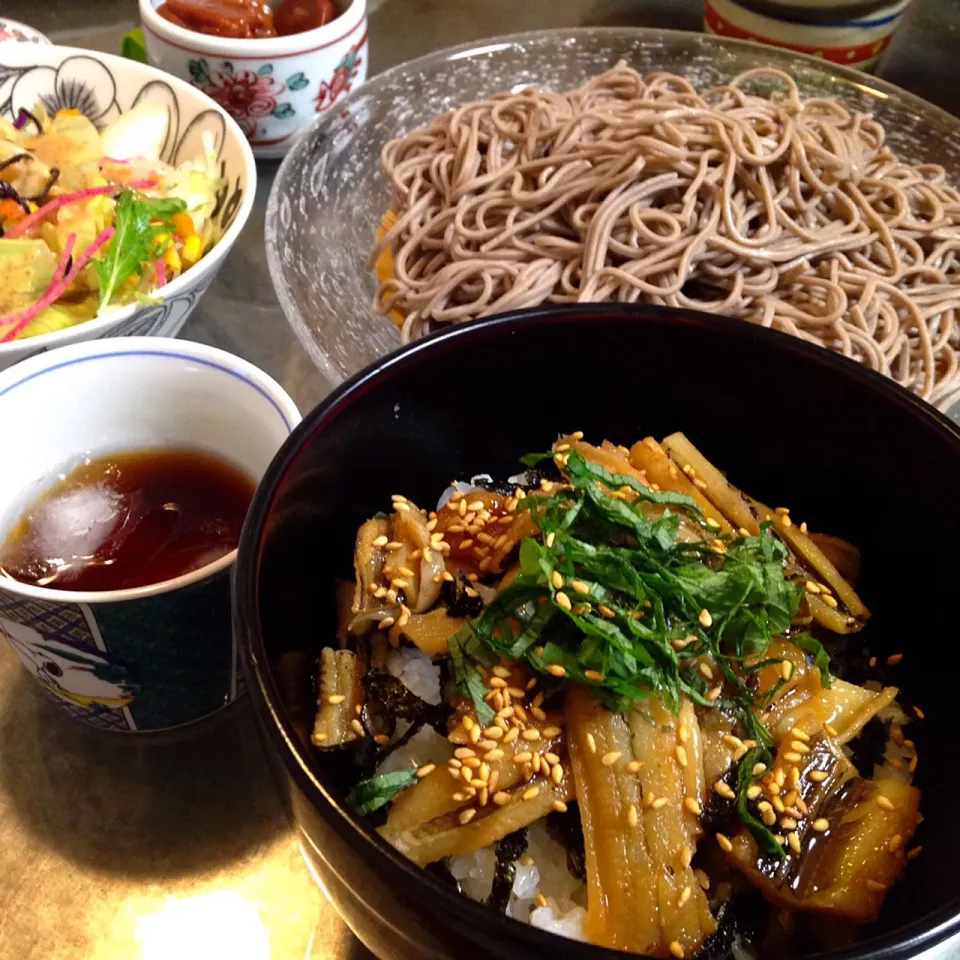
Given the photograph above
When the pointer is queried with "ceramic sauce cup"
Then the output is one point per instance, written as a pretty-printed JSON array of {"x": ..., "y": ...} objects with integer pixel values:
[
  {"x": 162, "y": 655},
  {"x": 274, "y": 87}
]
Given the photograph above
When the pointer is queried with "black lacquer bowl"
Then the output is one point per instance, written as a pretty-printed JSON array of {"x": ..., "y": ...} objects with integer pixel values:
[{"x": 852, "y": 453}]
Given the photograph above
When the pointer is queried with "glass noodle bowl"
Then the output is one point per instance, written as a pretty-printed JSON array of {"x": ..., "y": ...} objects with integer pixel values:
[{"x": 330, "y": 193}]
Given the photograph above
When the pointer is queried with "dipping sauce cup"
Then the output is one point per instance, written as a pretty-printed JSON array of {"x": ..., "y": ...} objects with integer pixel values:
[{"x": 158, "y": 656}]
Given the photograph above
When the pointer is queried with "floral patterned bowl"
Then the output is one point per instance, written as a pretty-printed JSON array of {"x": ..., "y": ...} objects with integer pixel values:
[
  {"x": 19, "y": 32},
  {"x": 272, "y": 87},
  {"x": 104, "y": 87}
]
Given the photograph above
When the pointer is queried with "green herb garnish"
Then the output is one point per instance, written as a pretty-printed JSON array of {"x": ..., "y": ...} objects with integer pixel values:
[
  {"x": 821, "y": 660},
  {"x": 372, "y": 794},
  {"x": 140, "y": 224},
  {"x": 632, "y": 588},
  {"x": 466, "y": 651},
  {"x": 766, "y": 839}
]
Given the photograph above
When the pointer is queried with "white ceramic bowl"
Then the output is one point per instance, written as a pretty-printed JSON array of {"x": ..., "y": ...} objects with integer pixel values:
[
  {"x": 18, "y": 32},
  {"x": 835, "y": 30},
  {"x": 160, "y": 655},
  {"x": 272, "y": 87},
  {"x": 104, "y": 87}
]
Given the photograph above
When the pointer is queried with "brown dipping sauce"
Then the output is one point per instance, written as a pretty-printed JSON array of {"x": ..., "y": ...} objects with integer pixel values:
[
  {"x": 129, "y": 520},
  {"x": 248, "y": 19}
]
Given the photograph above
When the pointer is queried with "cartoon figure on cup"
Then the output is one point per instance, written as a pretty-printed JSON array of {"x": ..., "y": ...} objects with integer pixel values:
[{"x": 78, "y": 673}]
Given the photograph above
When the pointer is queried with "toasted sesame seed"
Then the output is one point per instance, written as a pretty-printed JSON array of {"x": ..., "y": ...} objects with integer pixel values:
[
  {"x": 681, "y": 755},
  {"x": 705, "y": 618},
  {"x": 884, "y": 803},
  {"x": 659, "y": 803},
  {"x": 692, "y": 806},
  {"x": 875, "y": 887},
  {"x": 676, "y": 949},
  {"x": 591, "y": 743},
  {"x": 609, "y": 759},
  {"x": 357, "y": 728},
  {"x": 725, "y": 845},
  {"x": 724, "y": 790}
]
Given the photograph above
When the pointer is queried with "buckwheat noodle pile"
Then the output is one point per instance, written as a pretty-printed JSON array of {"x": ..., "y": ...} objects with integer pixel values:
[{"x": 787, "y": 212}]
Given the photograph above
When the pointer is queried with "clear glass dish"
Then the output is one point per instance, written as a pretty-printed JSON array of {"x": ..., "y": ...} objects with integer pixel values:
[{"x": 330, "y": 194}]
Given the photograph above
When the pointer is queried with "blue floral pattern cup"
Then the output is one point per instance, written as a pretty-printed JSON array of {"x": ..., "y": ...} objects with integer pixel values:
[{"x": 158, "y": 656}]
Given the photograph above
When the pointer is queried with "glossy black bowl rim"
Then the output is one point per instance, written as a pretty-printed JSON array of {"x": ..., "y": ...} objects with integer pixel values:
[{"x": 906, "y": 942}]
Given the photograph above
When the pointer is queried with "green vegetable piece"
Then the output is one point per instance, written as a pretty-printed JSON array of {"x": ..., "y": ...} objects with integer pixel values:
[
  {"x": 372, "y": 794},
  {"x": 465, "y": 651},
  {"x": 821, "y": 660},
  {"x": 132, "y": 46},
  {"x": 766, "y": 840},
  {"x": 139, "y": 224}
]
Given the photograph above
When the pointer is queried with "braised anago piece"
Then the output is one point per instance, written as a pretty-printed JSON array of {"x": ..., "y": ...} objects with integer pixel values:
[{"x": 635, "y": 635}]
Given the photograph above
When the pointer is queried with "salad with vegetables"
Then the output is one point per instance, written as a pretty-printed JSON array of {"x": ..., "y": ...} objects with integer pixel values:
[{"x": 91, "y": 221}]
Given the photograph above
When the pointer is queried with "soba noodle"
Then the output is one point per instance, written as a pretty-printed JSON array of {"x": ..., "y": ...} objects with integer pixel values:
[{"x": 788, "y": 212}]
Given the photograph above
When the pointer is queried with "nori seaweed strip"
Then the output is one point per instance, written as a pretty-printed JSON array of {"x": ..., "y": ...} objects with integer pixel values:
[
  {"x": 508, "y": 851},
  {"x": 459, "y": 604},
  {"x": 567, "y": 829},
  {"x": 393, "y": 701},
  {"x": 388, "y": 700}
]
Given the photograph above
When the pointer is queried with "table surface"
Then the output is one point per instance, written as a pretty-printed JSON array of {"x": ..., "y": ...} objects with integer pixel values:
[{"x": 116, "y": 848}]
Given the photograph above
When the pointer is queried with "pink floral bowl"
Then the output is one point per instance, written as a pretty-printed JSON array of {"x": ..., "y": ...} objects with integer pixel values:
[{"x": 274, "y": 87}]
